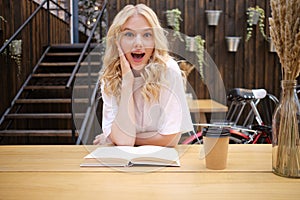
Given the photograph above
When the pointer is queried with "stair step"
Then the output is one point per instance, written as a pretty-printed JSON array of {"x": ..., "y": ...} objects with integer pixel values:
[
  {"x": 39, "y": 116},
  {"x": 31, "y": 101},
  {"x": 86, "y": 74},
  {"x": 59, "y": 87},
  {"x": 83, "y": 86},
  {"x": 72, "y": 46},
  {"x": 61, "y": 133},
  {"x": 56, "y": 64},
  {"x": 28, "y": 101},
  {"x": 50, "y": 75},
  {"x": 64, "y": 54},
  {"x": 53, "y": 75},
  {"x": 70, "y": 53},
  {"x": 45, "y": 87}
]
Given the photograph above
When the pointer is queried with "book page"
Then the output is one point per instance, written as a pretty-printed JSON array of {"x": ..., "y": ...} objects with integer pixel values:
[
  {"x": 108, "y": 156},
  {"x": 99, "y": 162},
  {"x": 148, "y": 154},
  {"x": 157, "y": 156}
]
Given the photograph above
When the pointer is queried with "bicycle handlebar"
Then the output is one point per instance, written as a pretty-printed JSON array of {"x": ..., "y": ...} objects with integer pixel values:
[{"x": 227, "y": 126}]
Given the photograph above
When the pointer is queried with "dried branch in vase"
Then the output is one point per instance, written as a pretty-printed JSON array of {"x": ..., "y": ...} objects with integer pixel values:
[{"x": 285, "y": 32}]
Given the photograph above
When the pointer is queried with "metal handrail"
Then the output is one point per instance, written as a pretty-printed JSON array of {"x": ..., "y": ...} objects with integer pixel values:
[
  {"x": 86, "y": 124},
  {"x": 86, "y": 46},
  {"x": 5, "y": 45},
  {"x": 60, "y": 7}
]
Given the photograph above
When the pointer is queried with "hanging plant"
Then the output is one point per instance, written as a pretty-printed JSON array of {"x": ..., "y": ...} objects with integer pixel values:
[
  {"x": 196, "y": 44},
  {"x": 200, "y": 54},
  {"x": 15, "y": 53},
  {"x": 253, "y": 12},
  {"x": 173, "y": 20},
  {"x": 14, "y": 50}
]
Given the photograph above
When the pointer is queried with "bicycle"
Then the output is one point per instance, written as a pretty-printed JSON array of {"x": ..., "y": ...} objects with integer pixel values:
[{"x": 253, "y": 130}]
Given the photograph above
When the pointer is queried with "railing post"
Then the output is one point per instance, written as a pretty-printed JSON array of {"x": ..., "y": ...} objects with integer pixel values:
[
  {"x": 48, "y": 21},
  {"x": 31, "y": 41},
  {"x": 75, "y": 21}
]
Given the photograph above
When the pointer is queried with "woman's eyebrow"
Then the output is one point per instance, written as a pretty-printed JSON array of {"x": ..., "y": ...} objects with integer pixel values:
[
  {"x": 148, "y": 29},
  {"x": 127, "y": 29},
  {"x": 143, "y": 29}
]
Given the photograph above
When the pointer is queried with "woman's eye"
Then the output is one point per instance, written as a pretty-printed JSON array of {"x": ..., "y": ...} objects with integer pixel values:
[
  {"x": 148, "y": 35},
  {"x": 129, "y": 34}
]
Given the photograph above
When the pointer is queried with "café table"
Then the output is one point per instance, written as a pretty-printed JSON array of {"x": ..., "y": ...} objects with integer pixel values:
[
  {"x": 198, "y": 107},
  {"x": 53, "y": 172}
]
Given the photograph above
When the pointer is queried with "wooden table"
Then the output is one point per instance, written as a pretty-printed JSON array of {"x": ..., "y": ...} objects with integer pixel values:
[
  {"x": 53, "y": 172},
  {"x": 199, "y": 107}
]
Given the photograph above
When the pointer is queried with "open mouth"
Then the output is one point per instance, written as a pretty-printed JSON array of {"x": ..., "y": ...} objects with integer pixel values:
[{"x": 137, "y": 56}]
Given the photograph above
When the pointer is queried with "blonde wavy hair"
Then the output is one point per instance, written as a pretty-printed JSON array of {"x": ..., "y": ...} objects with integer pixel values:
[{"x": 111, "y": 75}]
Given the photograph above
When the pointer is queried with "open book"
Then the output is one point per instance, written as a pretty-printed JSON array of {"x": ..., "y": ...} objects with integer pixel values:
[{"x": 129, "y": 156}]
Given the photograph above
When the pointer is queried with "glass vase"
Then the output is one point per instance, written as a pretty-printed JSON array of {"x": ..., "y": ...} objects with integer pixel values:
[{"x": 285, "y": 127}]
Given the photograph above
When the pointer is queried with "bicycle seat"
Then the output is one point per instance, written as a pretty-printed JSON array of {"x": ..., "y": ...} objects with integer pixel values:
[{"x": 241, "y": 94}]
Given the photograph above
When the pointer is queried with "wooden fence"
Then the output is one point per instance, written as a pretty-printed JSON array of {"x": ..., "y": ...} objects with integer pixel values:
[{"x": 252, "y": 66}]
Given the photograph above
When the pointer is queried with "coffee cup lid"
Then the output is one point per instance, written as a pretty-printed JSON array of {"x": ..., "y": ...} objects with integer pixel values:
[{"x": 215, "y": 132}]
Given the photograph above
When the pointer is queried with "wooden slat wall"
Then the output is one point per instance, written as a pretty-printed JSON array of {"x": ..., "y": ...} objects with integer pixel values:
[
  {"x": 34, "y": 38},
  {"x": 252, "y": 66}
]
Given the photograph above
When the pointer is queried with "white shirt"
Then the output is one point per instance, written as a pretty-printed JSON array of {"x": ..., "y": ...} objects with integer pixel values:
[{"x": 169, "y": 115}]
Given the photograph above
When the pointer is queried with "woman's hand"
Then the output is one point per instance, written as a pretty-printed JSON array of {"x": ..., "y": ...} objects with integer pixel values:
[
  {"x": 125, "y": 66},
  {"x": 101, "y": 140}
]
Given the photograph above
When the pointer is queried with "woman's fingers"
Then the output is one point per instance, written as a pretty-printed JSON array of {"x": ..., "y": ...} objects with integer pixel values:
[
  {"x": 125, "y": 67},
  {"x": 97, "y": 140}
]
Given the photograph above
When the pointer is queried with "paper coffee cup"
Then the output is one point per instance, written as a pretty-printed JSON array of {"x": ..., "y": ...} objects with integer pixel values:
[{"x": 216, "y": 147}]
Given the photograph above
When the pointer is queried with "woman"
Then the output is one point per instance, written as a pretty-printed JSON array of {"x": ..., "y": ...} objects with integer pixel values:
[{"x": 141, "y": 85}]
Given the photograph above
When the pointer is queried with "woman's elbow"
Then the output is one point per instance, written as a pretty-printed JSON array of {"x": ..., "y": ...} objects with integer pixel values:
[
  {"x": 172, "y": 140},
  {"x": 122, "y": 141},
  {"x": 120, "y": 138}
]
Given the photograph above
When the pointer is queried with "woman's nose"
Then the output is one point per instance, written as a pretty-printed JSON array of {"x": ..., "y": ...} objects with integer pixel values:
[{"x": 138, "y": 41}]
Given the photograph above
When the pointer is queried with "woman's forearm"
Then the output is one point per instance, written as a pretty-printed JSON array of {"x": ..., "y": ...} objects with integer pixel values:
[
  {"x": 123, "y": 130},
  {"x": 154, "y": 138}
]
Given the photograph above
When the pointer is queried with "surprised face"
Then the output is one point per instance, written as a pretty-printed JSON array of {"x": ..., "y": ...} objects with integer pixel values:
[{"x": 137, "y": 41}]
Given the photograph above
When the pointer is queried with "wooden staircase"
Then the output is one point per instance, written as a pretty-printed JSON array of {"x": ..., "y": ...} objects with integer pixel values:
[{"x": 43, "y": 110}]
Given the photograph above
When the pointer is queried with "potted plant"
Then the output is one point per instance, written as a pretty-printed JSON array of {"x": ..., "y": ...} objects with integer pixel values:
[
  {"x": 173, "y": 20},
  {"x": 196, "y": 44},
  {"x": 15, "y": 48},
  {"x": 255, "y": 15}
]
